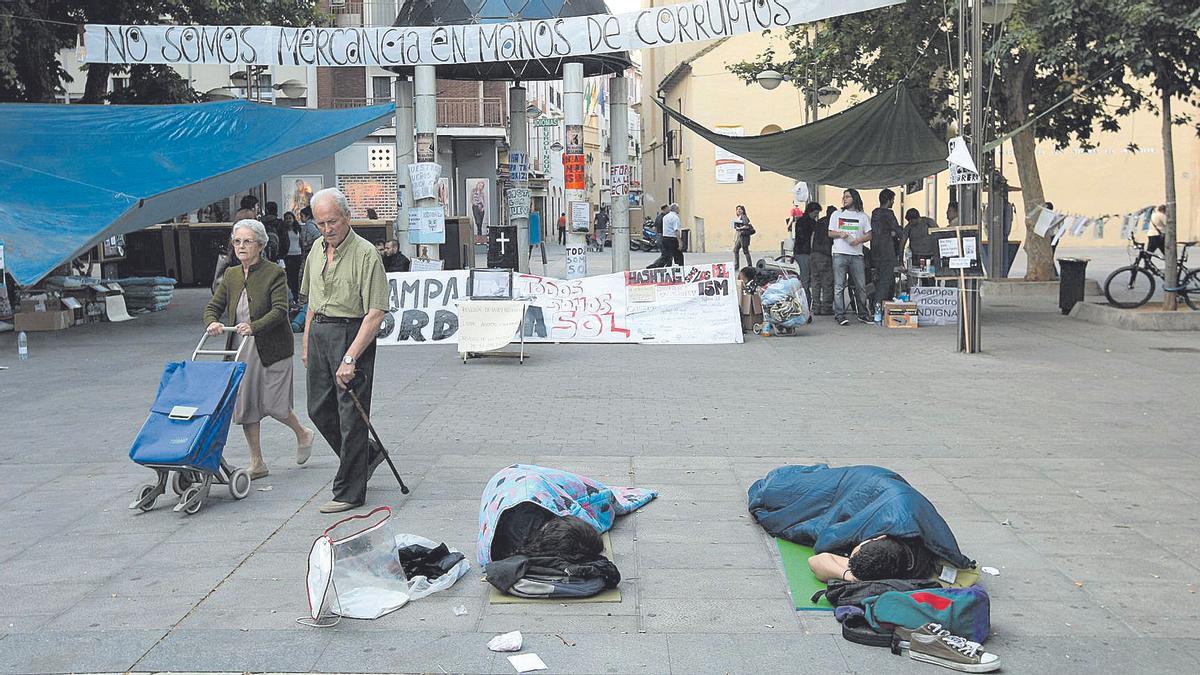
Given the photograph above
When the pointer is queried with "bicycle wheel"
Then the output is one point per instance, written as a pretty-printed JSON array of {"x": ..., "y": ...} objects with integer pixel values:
[
  {"x": 789, "y": 259},
  {"x": 1129, "y": 287},
  {"x": 1191, "y": 284}
]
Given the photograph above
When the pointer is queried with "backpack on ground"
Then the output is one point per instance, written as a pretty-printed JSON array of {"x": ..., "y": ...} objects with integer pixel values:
[
  {"x": 841, "y": 593},
  {"x": 962, "y": 611}
]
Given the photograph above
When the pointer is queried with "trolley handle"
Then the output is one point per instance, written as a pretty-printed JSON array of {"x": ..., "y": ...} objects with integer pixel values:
[{"x": 201, "y": 351}]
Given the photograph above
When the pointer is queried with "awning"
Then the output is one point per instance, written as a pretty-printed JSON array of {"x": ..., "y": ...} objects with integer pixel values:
[
  {"x": 881, "y": 142},
  {"x": 75, "y": 175}
]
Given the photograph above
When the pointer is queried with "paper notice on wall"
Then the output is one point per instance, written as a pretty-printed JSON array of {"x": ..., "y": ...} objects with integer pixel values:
[
  {"x": 114, "y": 308},
  {"x": 581, "y": 217},
  {"x": 948, "y": 248},
  {"x": 962, "y": 167},
  {"x": 427, "y": 225},
  {"x": 960, "y": 263},
  {"x": 969, "y": 248},
  {"x": 487, "y": 325},
  {"x": 729, "y": 167},
  {"x": 423, "y": 179}
]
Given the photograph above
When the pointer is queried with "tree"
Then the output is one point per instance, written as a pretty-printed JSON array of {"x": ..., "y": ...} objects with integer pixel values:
[
  {"x": 1041, "y": 67},
  {"x": 29, "y": 44},
  {"x": 1160, "y": 42}
]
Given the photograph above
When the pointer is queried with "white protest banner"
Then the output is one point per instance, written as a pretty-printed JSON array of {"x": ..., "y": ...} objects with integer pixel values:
[
  {"x": 576, "y": 262},
  {"x": 517, "y": 200},
  {"x": 936, "y": 306},
  {"x": 488, "y": 325},
  {"x": 477, "y": 42},
  {"x": 619, "y": 176},
  {"x": 679, "y": 305},
  {"x": 423, "y": 178},
  {"x": 427, "y": 225}
]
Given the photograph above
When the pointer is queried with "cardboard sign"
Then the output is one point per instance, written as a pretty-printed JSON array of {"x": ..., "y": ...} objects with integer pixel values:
[
  {"x": 576, "y": 262},
  {"x": 427, "y": 225},
  {"x": 423, "y": 179},
  {"x": 575, "y": 172},
  {"x": 518, "y": 167},
  {"x": 620, "y": 179},
  {"x": 487, "y": 325},
  {"x": 517, "y": 201},
  {"x": 936, "y": 306}
]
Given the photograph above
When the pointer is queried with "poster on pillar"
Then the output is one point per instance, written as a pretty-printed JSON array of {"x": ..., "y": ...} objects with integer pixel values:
[
  {"x": 502, "y": 248},
  {"x": 576, "y": 262},
  {"x": 620, "y": 180},
  {"x": 516, "y": 202},
  {"x": 962, "y": 168},
  {"x": 574, "y": 172},
  {"x": 427, "y": 225},
  {"x": 574, "y": 139},
  {"x": 518, "y": 167},
  {"x": 479, "y": 206},
  {"x": 423, "y": 179},
  {"x": 424, "y": 146},
  {"x": 581, "y": 217},
  {"x": 443, "y": 194}
]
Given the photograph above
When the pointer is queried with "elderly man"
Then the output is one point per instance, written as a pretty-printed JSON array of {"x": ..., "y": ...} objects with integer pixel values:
[
  {"x": 671, "y": 253},
  {"x": 347, "y": 296}
]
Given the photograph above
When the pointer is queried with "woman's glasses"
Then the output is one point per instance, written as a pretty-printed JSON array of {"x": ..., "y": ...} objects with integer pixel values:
[{"x": 243, "y": 242}]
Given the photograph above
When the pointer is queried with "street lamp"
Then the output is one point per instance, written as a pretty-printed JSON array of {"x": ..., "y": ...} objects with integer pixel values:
[
  {"x": 556, "y": 146},
  {"x": 533, "y": 112},
  {"x": 769, "y": 79}
]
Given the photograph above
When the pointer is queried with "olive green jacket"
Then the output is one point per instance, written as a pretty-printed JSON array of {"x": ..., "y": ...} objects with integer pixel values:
[{"x": 266, "y": 291}]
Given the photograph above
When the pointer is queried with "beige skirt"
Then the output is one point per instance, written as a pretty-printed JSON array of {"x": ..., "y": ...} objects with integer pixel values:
[{"x": 266, "y": 391}]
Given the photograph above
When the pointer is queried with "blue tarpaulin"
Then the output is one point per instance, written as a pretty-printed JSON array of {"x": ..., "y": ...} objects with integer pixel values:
[{"x": 75, "y": 175}]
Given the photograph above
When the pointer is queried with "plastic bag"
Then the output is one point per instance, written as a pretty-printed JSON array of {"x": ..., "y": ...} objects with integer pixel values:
[
  {"x": 786, "y": 304},
  {"x": 420, "y": 586},
  {"x": 367, "y": 578}
]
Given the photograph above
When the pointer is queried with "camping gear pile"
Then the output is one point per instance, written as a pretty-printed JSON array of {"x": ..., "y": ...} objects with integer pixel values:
[{"x": 147, "y": 294}]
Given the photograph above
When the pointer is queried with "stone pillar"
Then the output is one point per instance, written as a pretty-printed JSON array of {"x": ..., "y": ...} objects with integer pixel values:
[
  {"x": 575, "y": 171},
  {"x": 425, "y": 103},
  {"x": 517, "y": 193},
  {"x": 619, "y": 137},
  {"x": 404, "y": 156}
]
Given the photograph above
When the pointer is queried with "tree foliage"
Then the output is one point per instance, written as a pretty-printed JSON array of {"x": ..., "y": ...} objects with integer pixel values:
[
  {"x": 1062, "y": 63},
  {"x": 30, "y": 41}
]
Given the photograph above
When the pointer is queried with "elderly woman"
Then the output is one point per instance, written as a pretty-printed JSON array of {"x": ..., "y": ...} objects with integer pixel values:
[{"x": 252, "y": 297}]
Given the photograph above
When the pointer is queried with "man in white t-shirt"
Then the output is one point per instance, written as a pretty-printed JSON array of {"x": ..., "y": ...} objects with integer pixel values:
[{"x": 849, "y": 228}]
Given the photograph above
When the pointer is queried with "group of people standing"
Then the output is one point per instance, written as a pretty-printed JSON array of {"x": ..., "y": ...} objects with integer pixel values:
[
  {"x": 829, "y": 250},
  {"x": 342, "y": 277}
]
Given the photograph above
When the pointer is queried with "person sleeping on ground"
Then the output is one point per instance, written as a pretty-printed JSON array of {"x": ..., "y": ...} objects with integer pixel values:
[
  {"x": 863, "y": 522},
  {"x": 540, "y": 531}
]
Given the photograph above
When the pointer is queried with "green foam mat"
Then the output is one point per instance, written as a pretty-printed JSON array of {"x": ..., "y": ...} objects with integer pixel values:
[{"x": 801, "y": 581}]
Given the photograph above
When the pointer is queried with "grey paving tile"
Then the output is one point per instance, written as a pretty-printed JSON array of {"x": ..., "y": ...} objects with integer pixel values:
[
  {"x": 754, "y": 654},
  {"x": 217, "y": 649},
  {"x": 134, "y": 612},
  {"x": 732, "y": 583},
  {"x": 743, "y": 615},
  {"x": 598, "y": 652},
  {"x": 75, "y": 651},
  {"x": 419, "y": 651}
]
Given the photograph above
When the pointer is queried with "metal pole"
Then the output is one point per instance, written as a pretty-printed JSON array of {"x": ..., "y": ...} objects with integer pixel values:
[
  {"x": 518, "y": 144},
  {"x": 969, "y": 205},
  {"x": 404, "y": 156},
  {"x": 618, "y": 89},
  {"x": 425, "y": 103},
  {"x": 575, "y": 192}
]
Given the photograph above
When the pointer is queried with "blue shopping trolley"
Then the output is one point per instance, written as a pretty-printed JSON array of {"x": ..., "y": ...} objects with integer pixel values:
[{"x": 184, "y": 436}]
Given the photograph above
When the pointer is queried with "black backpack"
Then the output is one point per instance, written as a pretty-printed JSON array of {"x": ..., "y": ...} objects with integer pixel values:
[{"x": 841, "y": 593}]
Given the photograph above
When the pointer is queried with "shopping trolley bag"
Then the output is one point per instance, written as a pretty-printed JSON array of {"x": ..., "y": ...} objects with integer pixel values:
[{"x": 190, "y": 418}]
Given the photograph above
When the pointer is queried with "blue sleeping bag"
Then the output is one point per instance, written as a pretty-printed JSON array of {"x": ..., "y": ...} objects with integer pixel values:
[{"x": 833, "y": 510}]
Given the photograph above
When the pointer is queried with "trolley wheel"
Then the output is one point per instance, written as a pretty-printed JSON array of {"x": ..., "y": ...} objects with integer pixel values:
[
  {"x": 146, "y": 498},
  {"x": 239, "y": 484},
  {"x": 190, "y": 500},
  {"x": 757, "y": 328},
  {"x": 179, "y": 482}
]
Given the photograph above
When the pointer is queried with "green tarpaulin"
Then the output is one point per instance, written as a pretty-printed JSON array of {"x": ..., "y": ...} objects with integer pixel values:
[{"x": 881, "y": 142}]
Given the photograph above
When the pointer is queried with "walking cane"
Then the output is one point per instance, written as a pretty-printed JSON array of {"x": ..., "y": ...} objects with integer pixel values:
[{"x": 357, "y": 379}]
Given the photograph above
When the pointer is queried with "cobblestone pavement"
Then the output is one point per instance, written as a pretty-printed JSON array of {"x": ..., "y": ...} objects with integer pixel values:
[{"x": 1065, "y": 456}]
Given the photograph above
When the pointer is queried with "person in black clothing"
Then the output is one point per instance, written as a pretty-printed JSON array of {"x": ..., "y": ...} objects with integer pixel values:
[
  {"x": 293, "y": 255},
  {"x": 916, "y": 236},
  {"x": 275, "y": 226},
  {"x": 393, "y": 259},
  {"x": 884, "y": 231},
  {"x": 803, "y": 227},
  {"x": 822, "y": 262},
  {"x": 662, "y": 211}
]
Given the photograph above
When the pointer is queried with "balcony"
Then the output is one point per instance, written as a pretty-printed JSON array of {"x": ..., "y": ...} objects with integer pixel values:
[
  {"x": 451, "y": 112},
  {"x": 363, "y": 13}
]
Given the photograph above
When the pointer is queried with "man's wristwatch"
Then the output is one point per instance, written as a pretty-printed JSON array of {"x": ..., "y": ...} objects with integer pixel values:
[{"x": 348, "y": 360}]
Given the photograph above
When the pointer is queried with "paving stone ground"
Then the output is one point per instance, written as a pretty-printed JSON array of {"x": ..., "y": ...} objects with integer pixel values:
[{"x": 1064, "y": 455}]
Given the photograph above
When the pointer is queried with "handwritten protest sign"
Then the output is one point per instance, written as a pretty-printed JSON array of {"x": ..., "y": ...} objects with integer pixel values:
[
  {"x": 487, "y": 325},
  {"x": 427, "y": 225},
  {"x": 423, "y": 177},
  {"x": 517, "y": 200}
]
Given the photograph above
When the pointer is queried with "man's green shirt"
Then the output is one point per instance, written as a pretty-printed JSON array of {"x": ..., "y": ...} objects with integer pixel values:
[{"x": 351, "y": 285}]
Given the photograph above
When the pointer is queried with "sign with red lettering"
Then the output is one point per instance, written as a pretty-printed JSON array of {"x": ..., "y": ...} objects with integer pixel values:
[{"x": 575, "y": 172}]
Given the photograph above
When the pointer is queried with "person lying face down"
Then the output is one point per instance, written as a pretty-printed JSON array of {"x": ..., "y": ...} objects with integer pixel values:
[{"x": 881, "y": 557}]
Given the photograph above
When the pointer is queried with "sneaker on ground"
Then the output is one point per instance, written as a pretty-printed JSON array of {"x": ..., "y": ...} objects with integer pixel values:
[
  {"x": 843, "y": 322},
  {"x": 902, "y": 635},
  {"x": 951, "y": 651},
  {"x": 863, "y": 319}
]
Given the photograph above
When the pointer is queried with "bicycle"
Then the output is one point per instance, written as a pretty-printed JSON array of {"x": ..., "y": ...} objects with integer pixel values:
[{"x": 1131, "y": 286}]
